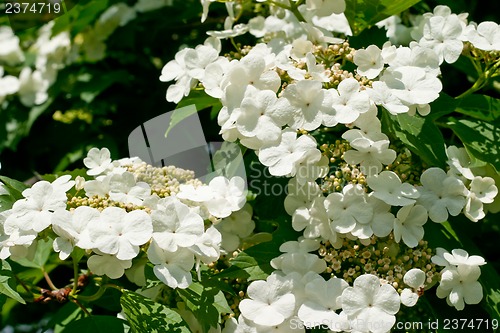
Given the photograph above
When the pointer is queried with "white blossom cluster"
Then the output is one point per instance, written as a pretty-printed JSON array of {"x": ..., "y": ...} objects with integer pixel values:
[
  {"x": 118, "y": 218},
  {"x": 277, "y": 92},
  {"x": 54, "y": 52}
]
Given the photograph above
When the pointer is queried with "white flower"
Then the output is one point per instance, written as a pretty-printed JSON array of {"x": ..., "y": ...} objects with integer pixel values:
[
  {"x": 307, "y": 102},
  {"x": 33, "y": 86},
  {"x": 99, "y": 186},
  {"x": 457, "y": 257},
  {"x": 282, "y": 158},
  {"x": 235, "y": 227},
  {"x": 369, "y": 154},
  {"x": 484, "y": 189},
  {"x": 35, "y": 211},
  {"x": 120, "y": 233},
  {"x": 369, "y": 61},
  {"x": 207, "y": 247},
  {"x": 229, "y": 195},
  {"x": 412, "y": 85},
  {"x": 486, "y": 36},
  {"x": 110, "y": 265},
  {"x": 259, "y": 115},
  {"x": 177, "y": 70},
  {"x": 369, "y": 305},
  {"x": 349, "y": 102},
  {"x": 388, "y": 187},
  {"x": 72, "y": 229},
  {"x": 253, "y": 70},
  {"x": 172, "y": 268},
  {"x": 300, "y": 195},
  {"x": 408, "y": 225},
  {"x": 123, "y": 188},
  {"x": 441, "y": 194},
  {"x": 8, "y": 85},
  {"x": 10, "y": 51},
  {"x": 459, "y": 161},
  {"x": 98, "y": 161},
  {"x": 443, "y": 34},
  {"x": 460, "y": 286},
  {"x": 349, "y": 210},
  {"x": 299, "y": 262},
  {"x": 323, "y": 299},
  {"x": 175, "y": 225},
  {"x": 270, "y": 302},
  {"x": 381, "y": 95},
  {"x": 415, "y": 279},
  {"x": 383, "y": 221}
]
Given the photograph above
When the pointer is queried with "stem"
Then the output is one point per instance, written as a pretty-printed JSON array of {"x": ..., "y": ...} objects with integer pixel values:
[
  {"x": 49, "y": 281},
  {"x": 294, "y": 9},
  {"x": 21, "y": 282},
  {"x": 75, "y": 275},
  {"x": 84, "y": 309},
  {"x": 98, "y": 294}
]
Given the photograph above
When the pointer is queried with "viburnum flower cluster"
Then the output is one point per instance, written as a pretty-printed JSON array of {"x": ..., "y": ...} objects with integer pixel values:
[
  {"x": 279, "y": 97},
  {"x": 124, "y": 211}
]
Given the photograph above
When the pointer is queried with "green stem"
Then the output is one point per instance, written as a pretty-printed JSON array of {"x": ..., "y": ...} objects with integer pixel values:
[
  {"x": 98, "y": 294},
  {"x": 75, "y": 275},
  {"x": 294, "y": 8},
  {"x": 81, "y": 306},
  {"x": 49, "y": 281}
]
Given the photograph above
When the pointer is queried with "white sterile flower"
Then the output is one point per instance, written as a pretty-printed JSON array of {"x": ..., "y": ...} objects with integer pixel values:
[
  {"x": 175, "y": 225},
  {"x": 408, "y": 225},
  {"x": 397, "y": 32},
  {"x": 441, "y": 194},
  {"x": 300, "y": 48},
  {"x": 300, "y": 195},
  {"x": 369, "y": 305},
  {"x": 348, "y": 103},
  {"x": 253, "y": 70},
  {"x": 270, "y": 302},
  {"x": 349, "y": 210},
  {"x": 323, "y": 299},
  {"x": 317, "y": 71},
  {"x": 486, "y": 36},
  {"x": 35, "y": 211},
  {"x": 300, "y": 262},
  {"x": 313, "y": 165},
  {"x": 282, "y": 158},
  {"x": 207, "y": 247},
  {"x": 106, "y": 264},
  {"x": 381, "y": 95},
  {"x": 459, "y": 161},
  {"x": 17, "y": 243},
  {"x": 123, "y": 188},
  {"x": 369, "y": 61},
  {"x": 8, "y": 85},
  {"x": 460, "y": 286},
  {"x": 413, "y": 56},
  {"x": 229, "y": 195},
  {"x": 307, "y": 102},
  {"x": 172, "y": 268},
  {"x": 412, "y": 85},
  {"x": 260, "y": 116},
  {"x": 235, "y": 227},
  {"x": 484, "y": 189},
  {"x": 444, "y": 36},
  {"x": 177, "y": 70},
  {"x": 460, "y": 257},
  {"x": 415, "y": 279},
  {"x": 326, "y": 7},
  {"x": 99, "y": 186},
  {"x": 387, "y": 187},
  {"x": 10, "y": 51},
  {"x": 383, "y": 221},
  {"x": 33, "y": 86},
  {"x": 98, "y": 161},
  {"x": 369, "y": 125},
  {"x": 474, "y": 208},
  {"x": 72, "y": 229},
  {"x": 120, "y": 233},
  {"x": 214, "y": 74},
  {"x": 369, "y": 154},
  {"x": 197, "y": 59}
]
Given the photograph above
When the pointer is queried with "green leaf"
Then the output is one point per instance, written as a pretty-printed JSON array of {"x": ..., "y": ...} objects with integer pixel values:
[
  {"x": 207, "y": 303},
  {"x": 7, "y": 283},
  {"x": 421, "y": 136},
  {"x": 362, "y": 14},
  {"x": 179, "y": 115},
  {"x": 14, "y": 185},
  {"x": 96, "y": 324},
  {"x": 41, "y": 255},
  {"x": 147, "y": 316},
  {"x": 200, "y": 99},
  {"x": 14, "y": 189},
  {"x": 481, "y": 107},
  {"x": 482, "y": 139}
]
